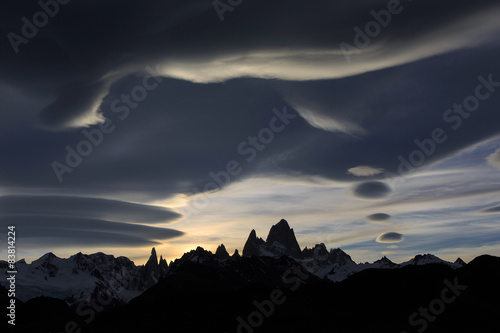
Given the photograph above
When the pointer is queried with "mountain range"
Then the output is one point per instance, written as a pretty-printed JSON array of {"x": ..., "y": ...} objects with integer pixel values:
[
  {"x": 101, "y": 293},
  {"x": 80, "y": 277}
]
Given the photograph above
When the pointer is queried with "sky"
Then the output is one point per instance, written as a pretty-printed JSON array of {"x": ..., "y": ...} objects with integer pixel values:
[{"x": 370, "y": 125}]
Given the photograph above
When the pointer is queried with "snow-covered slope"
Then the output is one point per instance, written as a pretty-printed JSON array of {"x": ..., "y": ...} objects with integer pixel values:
[
  {"x": 341, "y": 272},
  {"x": 334, "y": 265},
  {"x": 280, "y": 241},
  {"x": 425, "y": 259},
  {"x": 81, "y": 277}
]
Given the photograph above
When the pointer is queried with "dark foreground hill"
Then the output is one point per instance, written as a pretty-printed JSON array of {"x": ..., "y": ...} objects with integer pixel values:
[
  {"x": 81, "y": 277},
  {"x": 264, "y": 294},
  {"x": 272, "y": 287}
]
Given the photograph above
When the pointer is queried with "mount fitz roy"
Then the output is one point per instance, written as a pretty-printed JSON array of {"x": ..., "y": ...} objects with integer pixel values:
[
  {"x": 334, "y": 265},
  {"x": 82, "y": 277}
]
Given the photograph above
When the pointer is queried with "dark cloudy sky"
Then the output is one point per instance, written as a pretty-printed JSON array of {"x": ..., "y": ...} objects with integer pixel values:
[{"x": 369, "y": 125}]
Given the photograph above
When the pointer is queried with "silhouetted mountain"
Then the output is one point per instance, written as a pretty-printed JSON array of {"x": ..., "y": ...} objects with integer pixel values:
[
  {"x": 81, "y": 277},
  {"x": 335, "y": 265},
  {"x": 384, "y": 262},
  {"x": 221, "y": 252},
  {"x": 235, "y": 297},
  {"x": 163, "y": 267},
  {"x": 317, "y": 290},
  {"x": 340, "y": 257},
  {"x": 281, "y": 240},
  {"x": 319, "y": 252},
  {"x": 254, "y": 246},
  {"x": 154, "y": 270},
  {"x": 151, "y": 270},
  {"x": 459, "y": 262}
]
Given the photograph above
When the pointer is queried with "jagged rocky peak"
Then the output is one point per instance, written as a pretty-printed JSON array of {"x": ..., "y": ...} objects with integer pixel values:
[
  {"x": 151, "y": 271},
  {"x": 281, "y": 240},
  {"x": 77, "y": 256},
  {"x": 253, "y": 235},
  {"x": 162, "y": 261},
  {"x": 337, "y": 256},
  {"x": 423, "y": 259},
  {"x": 221, "y": 252},
  {"x": 385, "y": 262},
  {"x": 47, "y": 257},
  {"x": 199, "y": 255},
  {"x": 163, "y": 265},
  {"x": 91, "y": 273},
  {"x": 153, "y": 259},
  {"x": 459, "y": 262},
  {"x": 253, "y": 245},
  {"x": 318, "y": 252},
  {"x": 236, "y": 254},
  {"x": 384, "y": 259},
  {"x": 48, "y": 264},
  {"x": 80, "y": 261}
]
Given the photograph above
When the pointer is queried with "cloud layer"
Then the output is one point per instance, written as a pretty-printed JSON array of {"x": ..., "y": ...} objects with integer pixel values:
[
  {"x": 378, "y": 218},
  {"x": 79, "y": 221},
  {"x": 78, "y": 79},
  {"x": 111, "y": 210},
  {"x": 492, "y": 210},
  {"x": 371, "y": 190},
  {"x": 364, "y": 170},
  {"x": 390, "y": 237},
  {"x": 141, "y": 102},
  {"x": 494, "y": 159},
  {"x": 60, "y": 232}
]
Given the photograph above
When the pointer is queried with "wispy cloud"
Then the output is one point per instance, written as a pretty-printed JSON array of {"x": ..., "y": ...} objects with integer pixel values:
[
  {"x": 390, "y": 237},
  {"x": 364, "y": 171}
]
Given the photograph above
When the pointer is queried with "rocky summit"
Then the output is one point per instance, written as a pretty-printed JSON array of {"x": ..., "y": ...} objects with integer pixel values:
[{"x": 81, "y": 277}]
